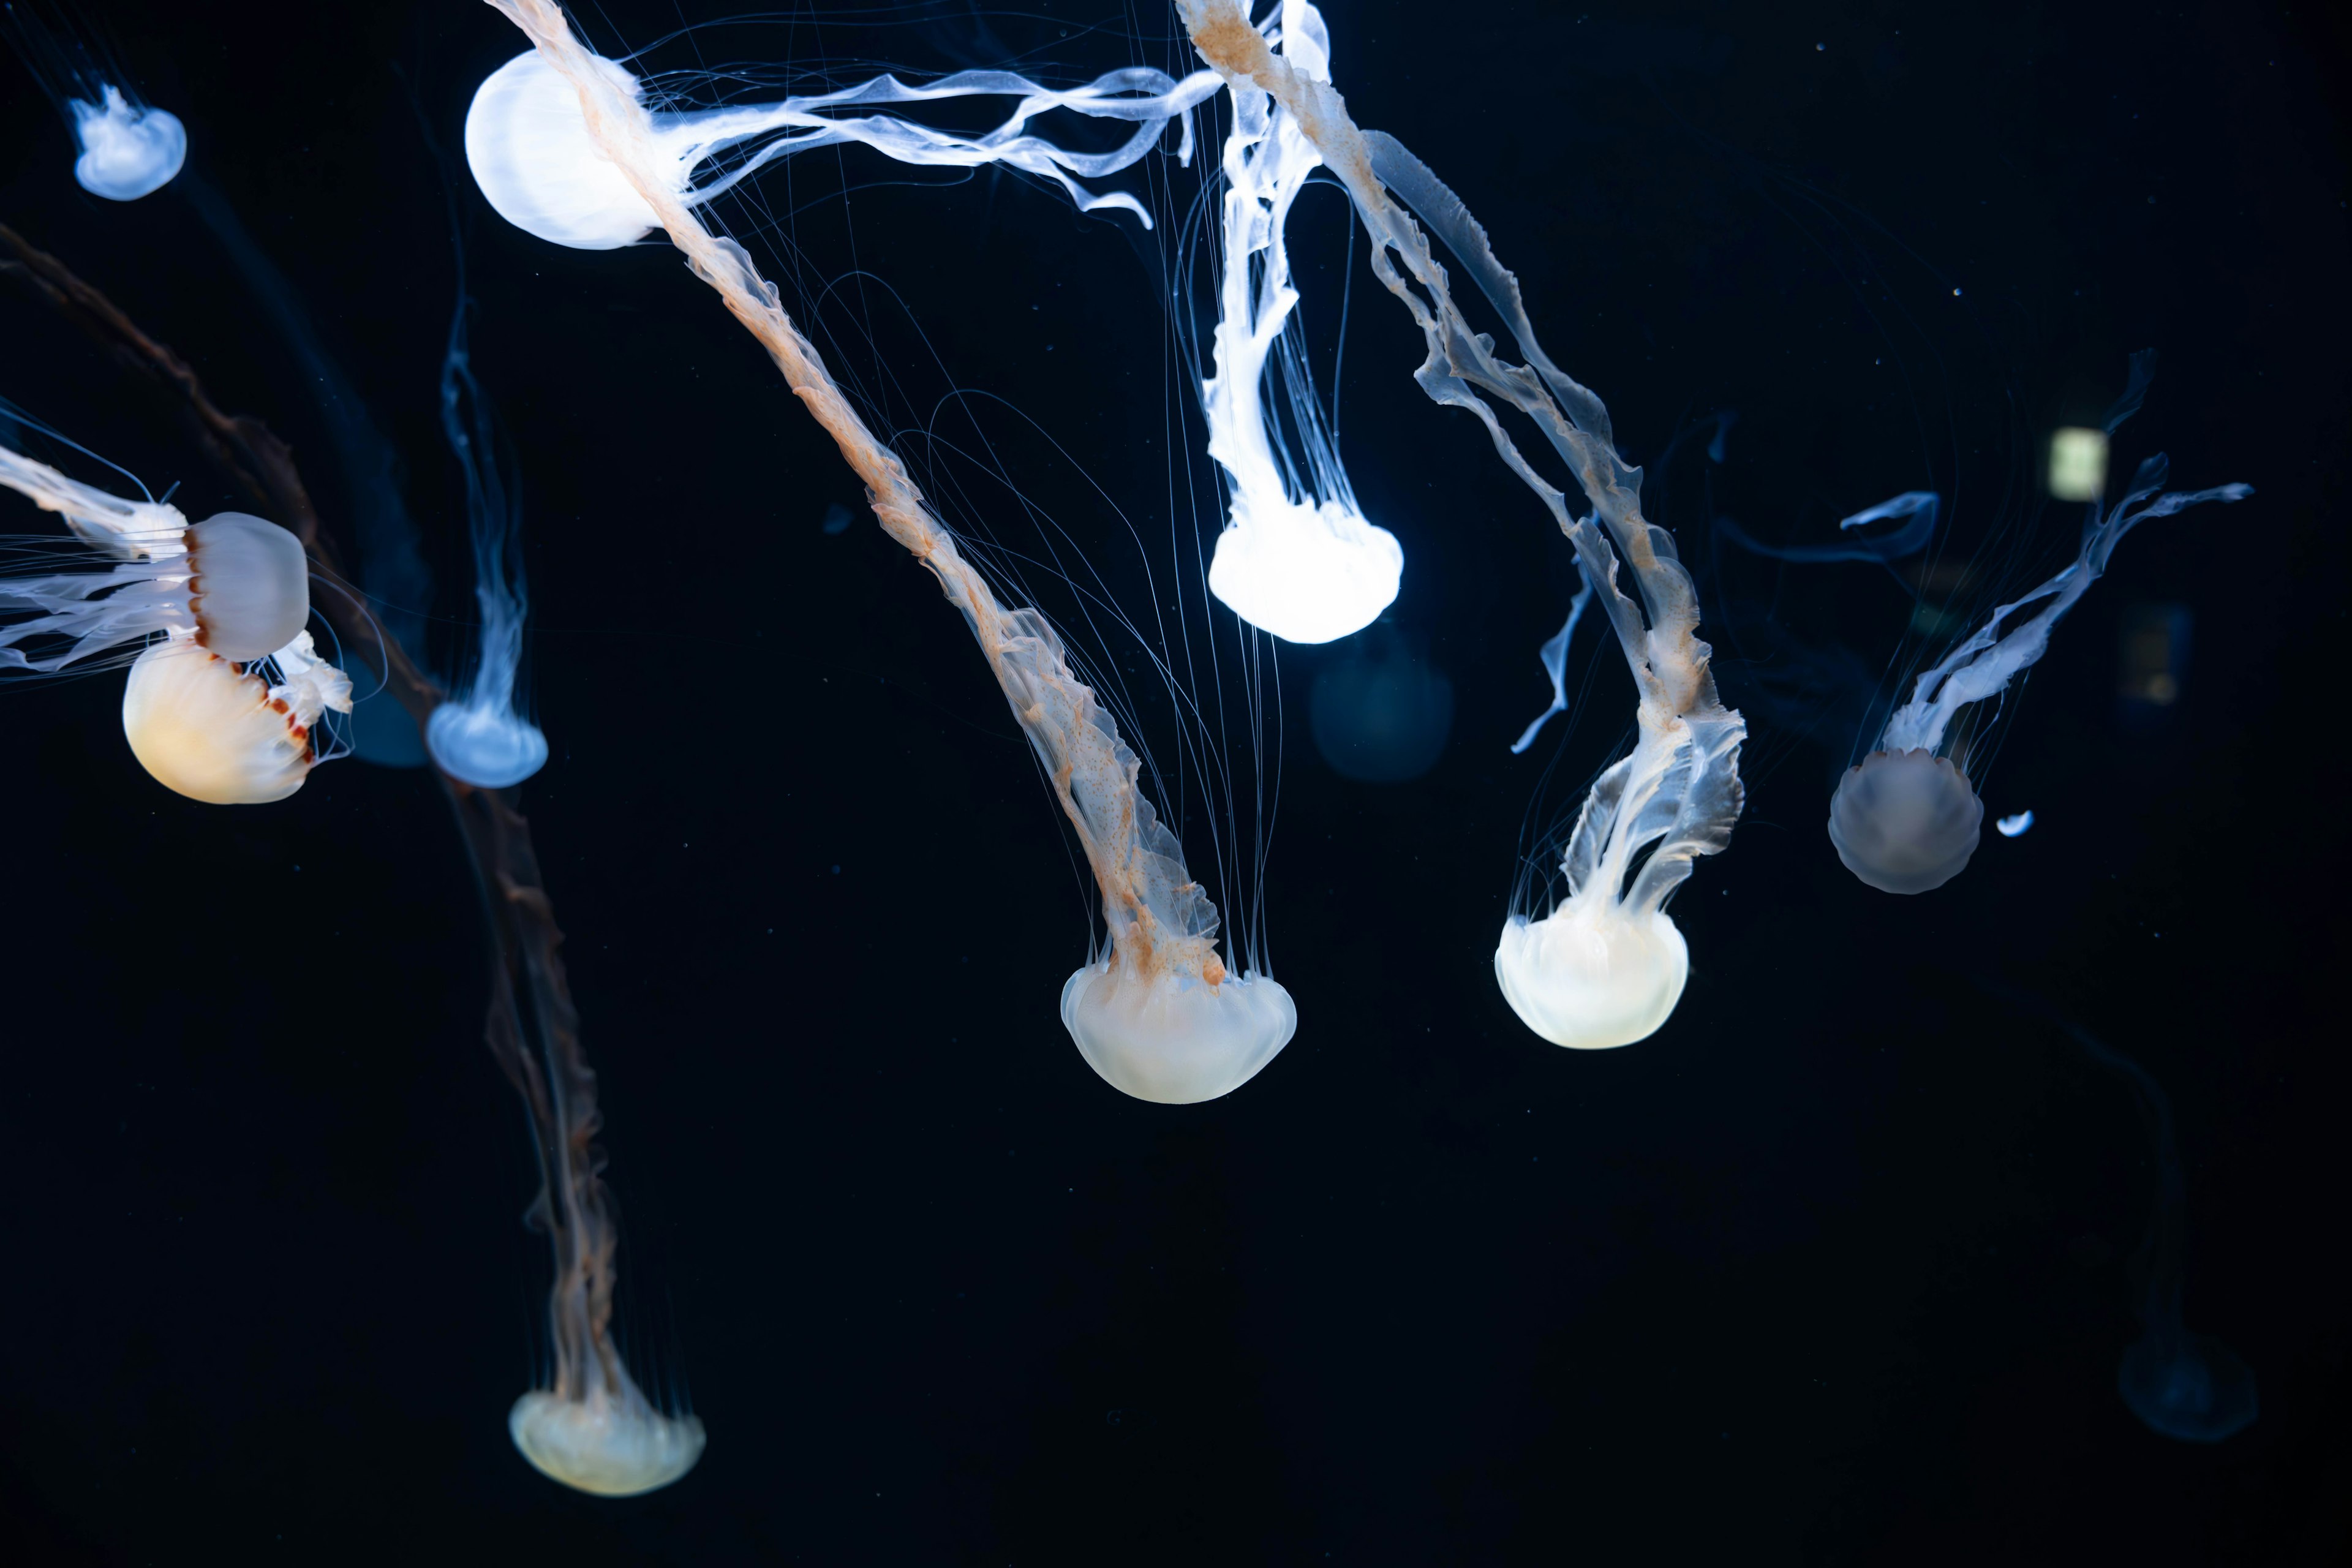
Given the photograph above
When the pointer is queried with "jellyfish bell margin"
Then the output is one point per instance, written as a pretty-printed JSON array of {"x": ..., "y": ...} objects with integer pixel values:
[
  {"x": 609, "y": 1443},
  {"x": 1905, "y": 822},
  {"x": 1175, "y": 1039}
]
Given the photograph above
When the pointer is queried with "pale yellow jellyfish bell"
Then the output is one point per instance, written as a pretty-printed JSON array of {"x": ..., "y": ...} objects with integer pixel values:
[
  {"x": 207, "y": 730},
  {"x": 530, "y": 150},
  {"x": 1173, "y": 1037},
  {"x": 611, "y": 1443}
]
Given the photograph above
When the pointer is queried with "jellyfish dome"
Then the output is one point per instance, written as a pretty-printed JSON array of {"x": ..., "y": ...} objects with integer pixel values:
[
  {"x": 1905, "y": 822},
  {"x": 610, "y": 1444},
  {"x": 530, "y": 150},
  {"x": 1307, "y": 573},
  {"x": 127, "y": 150},
  {"x": 1173, "y": 1037},
  {"x": 207, "y": 730},
  {"x": 2187, "y": 1386},
  {"x": 488, "y": 747},
  {"x": 1592, "y": 978}
]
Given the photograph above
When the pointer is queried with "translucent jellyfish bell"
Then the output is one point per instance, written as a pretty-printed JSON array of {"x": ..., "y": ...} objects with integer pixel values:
[
  {"x": 1904, "y": 822},
  {"x": 480, "y": 735},
  {"x": 209, "y": 731},
  {"x": 1174, "y": 1039},
  {"x": 610, "y": 1442},
  {"x": 127, "y": 152},
  {"x": 127, "y": 147},
  {"x": 1591, "y": 978}
]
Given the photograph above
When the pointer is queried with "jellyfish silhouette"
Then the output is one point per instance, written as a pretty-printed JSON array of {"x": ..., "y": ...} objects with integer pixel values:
[
  {"x": 1380, "y": 710},
  {"x": 128, "y": 147},
  {"x": 1905, "y": 818},
  {"x": 2184, "y": 1384},
  {"x": 1606, "y": 965}
]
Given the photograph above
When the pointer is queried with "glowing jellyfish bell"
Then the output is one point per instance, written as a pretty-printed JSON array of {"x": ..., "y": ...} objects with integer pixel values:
[
  {"x": 219, "y": 605},
  {"x": 1907, "y": 819},
  {"x": 608, "y": 1440},
  {"x": 127, "y": 147}
]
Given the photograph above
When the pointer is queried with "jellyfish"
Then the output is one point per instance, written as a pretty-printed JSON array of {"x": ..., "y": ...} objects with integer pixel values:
[
  {"x": 1606, "y": 965},
  {"x": 127, "y": 147},
  {"x": 1157, "y": 1013},
  {"x": 2185, "y": 1385},
  {"x": 478, "y": 735},
  {"x": 1299, "y": 558},
  {"x": 1904, "y": 819},
  {"x": 536, "y": 158},
  {"x": 227, "y": 693},
  {"x": 1381, "y": 712}
]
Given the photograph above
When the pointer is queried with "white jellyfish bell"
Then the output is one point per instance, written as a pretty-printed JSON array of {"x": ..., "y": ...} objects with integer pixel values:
[
  {"x": 128, "y": 147},
  {"x": 224, "y": 702}
]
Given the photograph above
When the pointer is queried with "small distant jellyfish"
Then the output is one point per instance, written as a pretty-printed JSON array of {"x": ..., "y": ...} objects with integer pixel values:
[
  {"x": 1298, "y": 559},
  {"x": 479, "y": 735},
  {"x": 127, "y": 147},
  {"x": 1605, "y": 966},
  {"x": 1904, "y": 819},
  {"x": 1157, "y": 1014},
  {"x": 225, "y": 698},
  {"x": 2012, "y": 826},
  {"x": 2185, "y": 1385}
]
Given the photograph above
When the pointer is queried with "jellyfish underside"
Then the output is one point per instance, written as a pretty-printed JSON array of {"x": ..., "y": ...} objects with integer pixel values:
[
  {"x": 609, "y": 1443},
  {"x": 1904, "y": 822},
  {"x": 2187, "y": 1386},
  {"x": 1173, "y": 1037}
]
